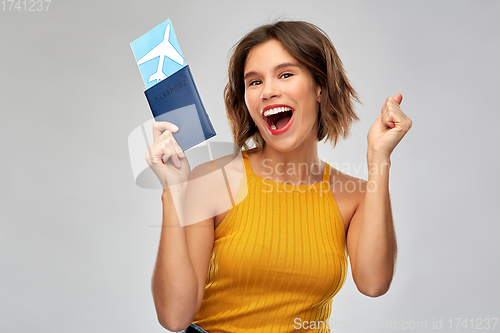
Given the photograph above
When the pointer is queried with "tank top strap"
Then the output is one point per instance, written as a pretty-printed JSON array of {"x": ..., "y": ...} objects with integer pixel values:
[
  {"x": 228, "y": 188},
  {"x": 246, "y": 163},
  {"x": 326, "y": 174}
]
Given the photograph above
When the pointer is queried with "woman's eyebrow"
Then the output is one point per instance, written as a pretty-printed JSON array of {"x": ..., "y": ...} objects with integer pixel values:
[
  {"x": 247, "y": 75},
  {"x": 285, "y": 64}
]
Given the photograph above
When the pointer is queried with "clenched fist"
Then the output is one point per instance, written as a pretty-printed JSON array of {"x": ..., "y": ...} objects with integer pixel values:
[{"x": 389, "y": 128}]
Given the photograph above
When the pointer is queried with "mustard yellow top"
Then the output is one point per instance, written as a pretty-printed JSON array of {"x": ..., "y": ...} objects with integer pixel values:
[{"x": 279, "y": 257}]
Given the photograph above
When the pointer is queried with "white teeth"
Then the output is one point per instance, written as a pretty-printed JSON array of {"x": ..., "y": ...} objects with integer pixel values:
[
  {"x": 273, "y": 127},
  {"x": 276, "y": 110}
]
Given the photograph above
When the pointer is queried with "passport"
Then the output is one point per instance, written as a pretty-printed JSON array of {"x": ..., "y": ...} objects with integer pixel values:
[
  {"x": 176, "y": 100},
  {"x": 171, "y": 90}
]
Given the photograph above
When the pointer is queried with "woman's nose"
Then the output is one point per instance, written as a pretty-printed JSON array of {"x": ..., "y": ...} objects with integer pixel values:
[{"x": 269, "y": 90}]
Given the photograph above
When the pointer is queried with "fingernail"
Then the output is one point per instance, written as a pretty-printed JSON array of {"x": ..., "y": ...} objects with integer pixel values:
[
  {"x": 175, "y": 128},
  {"x": 181, "y": 154}
]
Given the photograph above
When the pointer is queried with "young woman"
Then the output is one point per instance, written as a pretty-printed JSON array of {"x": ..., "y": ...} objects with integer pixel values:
[{"x": 273, "y": 260}]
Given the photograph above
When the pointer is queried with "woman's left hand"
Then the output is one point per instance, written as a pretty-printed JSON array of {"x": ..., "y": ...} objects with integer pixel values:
[{"x": 389, "y": 128}]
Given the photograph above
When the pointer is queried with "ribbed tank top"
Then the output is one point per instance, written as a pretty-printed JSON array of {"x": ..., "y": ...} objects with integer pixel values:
[{"x": 278, "y": 255}]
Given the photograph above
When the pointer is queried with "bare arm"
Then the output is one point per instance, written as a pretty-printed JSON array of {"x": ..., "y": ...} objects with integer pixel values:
[
  {"x": 371, "y": 238},
  {"x": 181, "y": 266},
  {"x": 180, "y": 272}
]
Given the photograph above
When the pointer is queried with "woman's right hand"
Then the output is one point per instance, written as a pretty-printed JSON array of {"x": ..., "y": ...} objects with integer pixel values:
[{"x": 165, "y": 157}]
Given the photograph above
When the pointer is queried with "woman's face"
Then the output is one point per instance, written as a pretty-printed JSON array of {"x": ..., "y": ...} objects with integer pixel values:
[{"x": 281, "y": 96}]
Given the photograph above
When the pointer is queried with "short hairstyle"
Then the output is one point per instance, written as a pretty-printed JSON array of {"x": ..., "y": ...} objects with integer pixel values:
[{"x": 309, "y": 45}]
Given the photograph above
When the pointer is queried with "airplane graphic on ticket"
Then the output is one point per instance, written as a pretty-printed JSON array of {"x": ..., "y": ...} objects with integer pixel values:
[{"x": 158, "y": 54}]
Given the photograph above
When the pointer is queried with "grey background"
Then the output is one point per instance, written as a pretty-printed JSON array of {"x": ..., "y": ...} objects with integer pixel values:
[{"x": 77, "y": 237}]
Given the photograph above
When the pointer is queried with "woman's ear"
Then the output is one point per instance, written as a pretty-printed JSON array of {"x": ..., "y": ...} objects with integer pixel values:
[{"x": 318, "y": 93}]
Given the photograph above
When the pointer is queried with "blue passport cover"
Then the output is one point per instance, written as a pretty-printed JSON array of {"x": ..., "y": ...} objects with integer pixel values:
[
  {"x": 171, "y": 91},
  {"x": 176, "y": 100}
]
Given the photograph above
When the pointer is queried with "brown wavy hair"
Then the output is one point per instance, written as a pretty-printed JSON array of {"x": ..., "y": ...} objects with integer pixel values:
[{"x": 309, "y": 45}]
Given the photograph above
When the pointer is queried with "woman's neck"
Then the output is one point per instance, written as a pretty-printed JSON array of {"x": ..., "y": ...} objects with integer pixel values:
[{"x": 298, "y": 167}]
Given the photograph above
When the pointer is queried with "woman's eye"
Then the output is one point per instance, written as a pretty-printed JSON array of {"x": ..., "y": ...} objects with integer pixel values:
[
  {"x": 286, "y": 75},
  {"x": 254, "y": 83}
]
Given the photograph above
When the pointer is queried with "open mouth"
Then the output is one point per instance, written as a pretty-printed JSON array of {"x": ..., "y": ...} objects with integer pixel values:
[{"x": 278, "y": 117}]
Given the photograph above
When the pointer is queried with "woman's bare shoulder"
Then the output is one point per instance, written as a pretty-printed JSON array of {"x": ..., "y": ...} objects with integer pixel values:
[
  {"x": 213, "y": 177},
  {"x": 346, "y": 181},
  {"x": 231, "y": 162},
  {"x": 348, "y": 192},
  {"x": 216, "y": 184}
]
